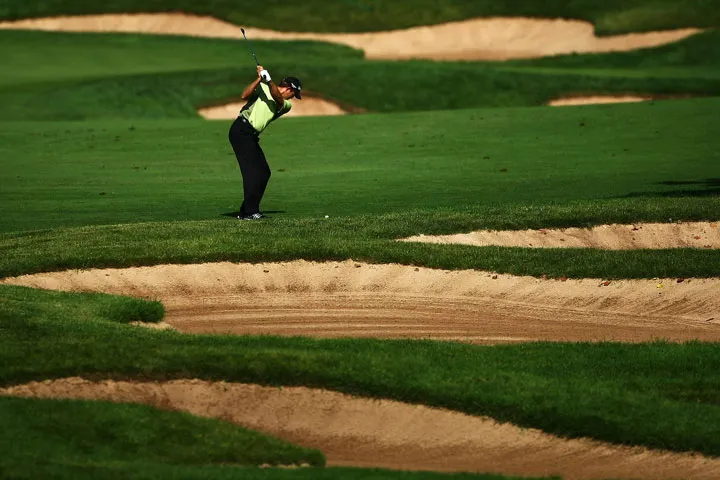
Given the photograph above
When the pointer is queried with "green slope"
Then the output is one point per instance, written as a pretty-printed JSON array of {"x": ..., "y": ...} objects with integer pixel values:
[
  {"x": 85, "y": 76},
  {"x": 88, "y": 435}
]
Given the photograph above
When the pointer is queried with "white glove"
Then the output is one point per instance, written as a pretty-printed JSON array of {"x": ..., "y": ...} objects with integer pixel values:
[{"x": 265, "y": 76}]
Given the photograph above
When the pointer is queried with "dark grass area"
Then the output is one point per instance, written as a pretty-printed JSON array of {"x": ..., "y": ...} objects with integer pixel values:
[
  {"x": 56, "y": 435},
  {"x": 610, "y": 16},
  {"x": 57, "y": 76},
  {"x": 658, "y": 395},
  {"x": 151, "y": 471}
]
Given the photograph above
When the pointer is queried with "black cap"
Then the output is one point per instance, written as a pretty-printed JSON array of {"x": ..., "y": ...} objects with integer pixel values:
[{"x": 294, "y": 83}]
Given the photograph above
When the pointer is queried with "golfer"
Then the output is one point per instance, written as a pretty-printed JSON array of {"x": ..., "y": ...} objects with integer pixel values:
[{"x": 266, "y": 102}]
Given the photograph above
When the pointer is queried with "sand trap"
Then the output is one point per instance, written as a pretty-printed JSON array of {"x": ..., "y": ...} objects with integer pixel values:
[
  {"x": 308, "y": 106},
  {"x": 389, "y": 434},
  {"x": 320, "y": 107},
  {"x": 597, "y": 99},
  {"x": 352, "y": 299},
  {"x": 476, "y": 39},
  {"x": 705, "y": 235}
]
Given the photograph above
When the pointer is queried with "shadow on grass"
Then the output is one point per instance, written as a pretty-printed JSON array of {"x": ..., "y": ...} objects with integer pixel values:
[
  {"x": 237, "y": 213},
  {"x": 711, "y": 189}
]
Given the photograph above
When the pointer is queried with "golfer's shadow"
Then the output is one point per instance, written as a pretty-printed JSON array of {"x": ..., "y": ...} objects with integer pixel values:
[{"x": 235, "y": 214}]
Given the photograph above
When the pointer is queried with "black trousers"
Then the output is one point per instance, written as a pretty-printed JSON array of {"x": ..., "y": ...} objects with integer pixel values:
[{"x": 253, "y": 165}]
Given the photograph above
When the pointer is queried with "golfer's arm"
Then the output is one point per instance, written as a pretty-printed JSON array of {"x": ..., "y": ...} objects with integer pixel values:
[
  {"x": 276, "y": 95},
  {"x": 250, "y": 89}
]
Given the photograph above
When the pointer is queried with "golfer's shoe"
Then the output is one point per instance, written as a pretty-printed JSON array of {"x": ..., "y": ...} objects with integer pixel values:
[{"x": 254, "y": 216}]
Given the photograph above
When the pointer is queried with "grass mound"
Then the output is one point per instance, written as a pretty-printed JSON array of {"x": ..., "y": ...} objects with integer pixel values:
[
  {"x": 83, "y": 437},
  {"x": 145, "y": 77}
]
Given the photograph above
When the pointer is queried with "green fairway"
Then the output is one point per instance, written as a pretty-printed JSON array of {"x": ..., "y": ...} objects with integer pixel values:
[
  {"x": 77, "y": 174},
  {"x": 62, "y": 76},
  {"x": 43, "y": 57}
]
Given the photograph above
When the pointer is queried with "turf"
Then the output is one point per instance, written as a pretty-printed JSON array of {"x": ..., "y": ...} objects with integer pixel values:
[
  {"x": 534, "y": 168},
  {"x": 146, "y": 470},
  {"x": 610, "y": 16},
  {"x": 41, "y": 57},
  {"x": 52, "y": 435},
  {"x": 340, "y": 239},
  {"x": 144, "y": 77},
  {"x": 73, "y": 174},
  {"x": 657, "y": 395},
  {"x": 82, "y": 439},
  {"x": 110, "y": 167}
]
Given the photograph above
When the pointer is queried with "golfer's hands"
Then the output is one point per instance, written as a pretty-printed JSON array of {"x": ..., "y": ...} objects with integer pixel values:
[{"x": 263, "y": 74}]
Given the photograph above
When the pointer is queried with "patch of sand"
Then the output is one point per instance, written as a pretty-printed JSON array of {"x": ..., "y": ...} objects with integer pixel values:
[
  {"x": 705, "y": 235},
  {"x": 498, "y": 38},
  {"x": 597, "y": 99},
  {"x": 354, "y": 431},
  {"x": 352, "y": 299},
  {"x": 308, "y": 106}
]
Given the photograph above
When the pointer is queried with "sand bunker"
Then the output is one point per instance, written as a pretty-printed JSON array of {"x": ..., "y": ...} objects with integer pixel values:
[
  {"x": 383, "y": 433},
  {"x": 319, "y": 107},
  {"x": 352, "y": 299},
  {"x": 349, "y": 298},
  {"x": 476, "y": 39},
  {"x": 610, "y": 237},
  {"x": 597, "y": 99},
  {"x": 308, "y": 106}
]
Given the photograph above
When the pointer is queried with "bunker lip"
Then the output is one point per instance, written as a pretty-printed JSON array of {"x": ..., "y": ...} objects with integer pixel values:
[
  {"x": 598, "y": 99},
  {"x": 496, "y": 38},
  {"x": 601, "y": 98},
  {"x": 308, "y": 106},
  {"x": 704, "y": 235},
  {"x": 354, "y": 431},
  {"x": 352, "y": 299}
]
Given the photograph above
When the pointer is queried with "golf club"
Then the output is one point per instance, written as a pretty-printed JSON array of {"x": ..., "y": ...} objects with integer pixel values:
[{"x": 249, "y": 46}]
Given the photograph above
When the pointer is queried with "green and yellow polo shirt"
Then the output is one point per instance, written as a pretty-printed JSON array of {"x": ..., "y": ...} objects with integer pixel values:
[{"x": 261, "y": 110}]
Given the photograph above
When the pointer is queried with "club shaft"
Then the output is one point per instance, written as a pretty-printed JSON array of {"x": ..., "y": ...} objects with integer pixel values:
[{"x": 250, "y": 46}]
